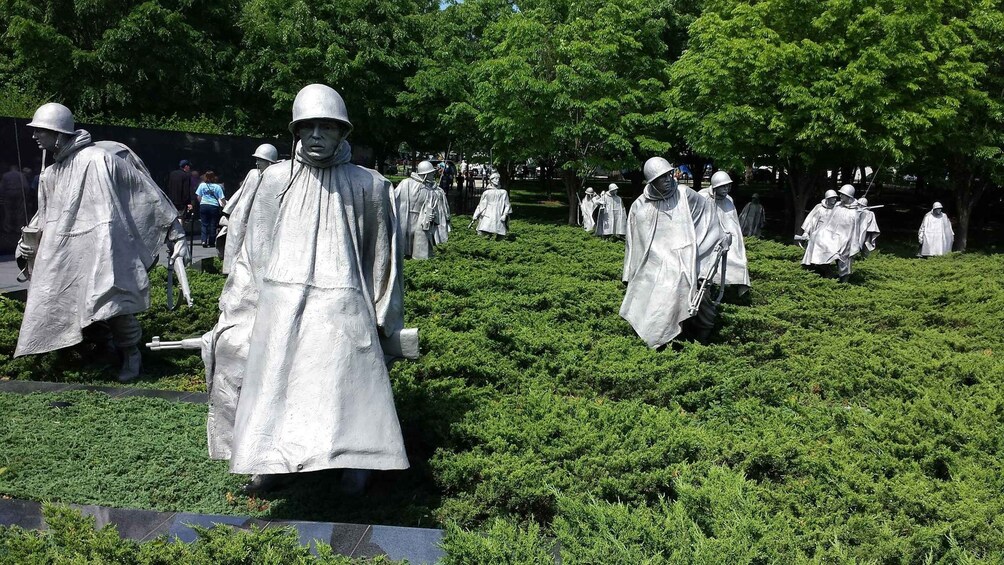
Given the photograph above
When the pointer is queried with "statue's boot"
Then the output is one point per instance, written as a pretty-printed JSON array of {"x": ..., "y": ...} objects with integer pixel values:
[
  {"x": 354, "y": 481},
  {"x": 131, "y": 364},
  {"x": 263, "y": 483}
]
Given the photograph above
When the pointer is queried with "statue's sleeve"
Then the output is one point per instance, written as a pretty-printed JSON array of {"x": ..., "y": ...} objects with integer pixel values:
[
  {"x": 707, "y": 226},
  {"x": 384, "y": 258}
]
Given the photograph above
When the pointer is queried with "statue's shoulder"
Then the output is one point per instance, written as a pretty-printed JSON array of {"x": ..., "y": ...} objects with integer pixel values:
[{"x": 365, "y": 176}]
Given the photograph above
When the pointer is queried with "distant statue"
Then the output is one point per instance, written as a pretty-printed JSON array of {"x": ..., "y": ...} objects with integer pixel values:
[
  {"x": 441, "y": 219},
  {"x": 416, "y": 210},
  {"x": 611, "y": 219},
  {"x": 239, "y": 206},
  {"x": 753, "y": 218},
  {"x": 675, "y": 246},
  {"x": 493, "y": 211},
  {"x": 737, "y": 273},
  {"x": 100, "y": 224},
  {"x": 296, "y": 363},
  {"x": 834, "y": 237},
  {"x": 587, "y": 210},
  {"x": 867, "y": 229},
  {"x": 936, "y": 235}
]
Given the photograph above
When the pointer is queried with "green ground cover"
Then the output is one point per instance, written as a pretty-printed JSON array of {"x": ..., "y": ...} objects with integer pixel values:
[{"x": 825, "y": 422}]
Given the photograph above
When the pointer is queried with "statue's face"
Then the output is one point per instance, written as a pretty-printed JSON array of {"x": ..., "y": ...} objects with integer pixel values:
[
  {"x": 937, "y": 212},
  {"x": 722, "y": 191},
  {"x": 262, "y": 164},
  {"x": 320, "y": 138},
  {"x": 46, "y": 139},
  {"x": 662, "y": 183},
  {"x": 831, "y": 202},
  {"x": 845, "y": 200}
]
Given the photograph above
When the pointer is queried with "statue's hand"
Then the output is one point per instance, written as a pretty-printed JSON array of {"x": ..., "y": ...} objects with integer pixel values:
[
  {"x": 26, "y": 251},
  {"x": 727, "y": 241},
  {"x": 180, "y": 251}
]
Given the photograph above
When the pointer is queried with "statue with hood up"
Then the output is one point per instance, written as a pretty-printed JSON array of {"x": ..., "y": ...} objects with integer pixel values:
[{"x": 100, "y": 223}]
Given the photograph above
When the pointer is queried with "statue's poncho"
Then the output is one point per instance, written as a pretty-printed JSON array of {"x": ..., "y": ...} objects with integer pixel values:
[
  {"x": 103, "y": 222},
  {"x": 836, "y": 237},
  {"x": 416, "y": 209},
  {"x": 441, "y": 206},
  {"x": 752, "y": 219},
  {"x": 936, "y": 235},
  {"x": 813, "y": 221},
  {"x": 737, "y": 273},
  {"x": 237, "y": 209},
  {"x": 669, "y": 245},
  {"x": 587, "y": 209},
  {"x": 297, "y": 378},
  {"x": 611, "y": 219},
  {"x": 867, "y": 232},
  {"x": 493, "y": 212}
]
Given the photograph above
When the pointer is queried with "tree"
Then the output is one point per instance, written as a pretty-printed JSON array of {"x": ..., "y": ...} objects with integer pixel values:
[
  {"x": 577, "y": 80},
  {"x": 127, "y": 57},
  {"x": 820, "y": 84},
  {"x": 362, "y": 48}
]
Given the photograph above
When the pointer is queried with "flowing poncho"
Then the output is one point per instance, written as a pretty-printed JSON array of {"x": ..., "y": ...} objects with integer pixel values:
[
  {"x": 297, "y": 377},
  {"x": 587, "y": 208},
  {"x": 752, "y": 219},
  {"x": 416, "y": 210},
  {"x": 611, "y": 218},
  {"x": 236, "y": 211},
  {"x": 936, "y": 235},
  {"x": 737, "y": 272},
  {"x": 441, "y": 220},
  {"x": 102, "y": 222},
  {"x": 837, "y": 236},
  {"x": 867, "y": 232},
  {"x": 493, "y": 212},
  {"x": 669, "y": 245}
]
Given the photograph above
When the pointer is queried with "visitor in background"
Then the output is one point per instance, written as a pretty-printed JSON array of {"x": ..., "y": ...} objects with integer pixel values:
[
  {"x": 211, "y": 201},
  {"x": 179, "y": 186}
]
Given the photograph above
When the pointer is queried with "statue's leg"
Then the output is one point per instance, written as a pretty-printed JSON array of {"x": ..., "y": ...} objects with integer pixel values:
[
  {"x": 844, "y": 269},
  {"x": 703, "y": 323},
  {"x": 126, "y": 334}
]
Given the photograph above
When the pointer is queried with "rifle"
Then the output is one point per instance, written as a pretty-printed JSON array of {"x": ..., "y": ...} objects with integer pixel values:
[
  {"x": 800, "y": 239},
  {"x": 721, "y": 256},
  {"x": 175, "y": 268},
  {"x": 401, "y": 344}
]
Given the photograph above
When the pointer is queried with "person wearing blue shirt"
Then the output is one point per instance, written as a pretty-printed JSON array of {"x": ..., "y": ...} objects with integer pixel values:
[{"x": 211, "y": 201}]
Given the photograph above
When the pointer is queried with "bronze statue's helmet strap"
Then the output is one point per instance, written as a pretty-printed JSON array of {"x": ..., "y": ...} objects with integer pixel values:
[
  {"x": 655, "y": 168},
  {"x": 268, "y": 152},
  {"x": 319, "y": 102},
  {"x": 53, "y": 117},
  {"x": 720, "y": 178}
]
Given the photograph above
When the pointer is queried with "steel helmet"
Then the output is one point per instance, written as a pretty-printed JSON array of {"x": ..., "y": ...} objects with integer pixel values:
[
  {"x": 720, "y": 178},
  {"x": 830, "y": 194},
  {"x": 53, "y": 117},
  {"x": 268, "y": 152},
  {"x": 319, "y": 102},
  {"x": 847, "y": 190},
  {"x": 655, "y": 168},
  {"x": 937, "y": 206},
  {"x": 495, "y": 179},
  {"x": 756, "y": 196},
  {"x": 863, "y": 201},
  {"x": 424, "y": 168},
  {"x": 613, "y": 186},
  {"x": 589, "y": 190}
]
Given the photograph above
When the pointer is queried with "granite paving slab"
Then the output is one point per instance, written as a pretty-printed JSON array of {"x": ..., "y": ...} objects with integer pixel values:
[{"x": 417, "y": 545}]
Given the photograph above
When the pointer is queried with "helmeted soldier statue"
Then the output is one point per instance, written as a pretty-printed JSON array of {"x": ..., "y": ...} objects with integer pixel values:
[
  {"x": 587, "y": 210},
  {"x": 611, "y": 219},
  {"x": 493, "y": 211},
  {"x": 834, "y": 239},
  {"x": 416, "y": 210},
  {"x": 673, "y": 237},
  {"x": 737, "y": 273},
  {"x": 295, "y": 365},
  {"x": 936, "y": 235},
  {"x": 753, "y": 218},
  {"x": 236, "y": 211},
  {"x": 100, "y": 224}
]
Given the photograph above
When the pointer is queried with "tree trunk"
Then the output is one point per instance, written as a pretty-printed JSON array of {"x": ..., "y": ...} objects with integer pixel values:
[
  {"x": 802, "y": 182},
  {"x": 572, "y": 182},
  {"x": 967, "y": 195},
  {"x": 505, "y": 170}
]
